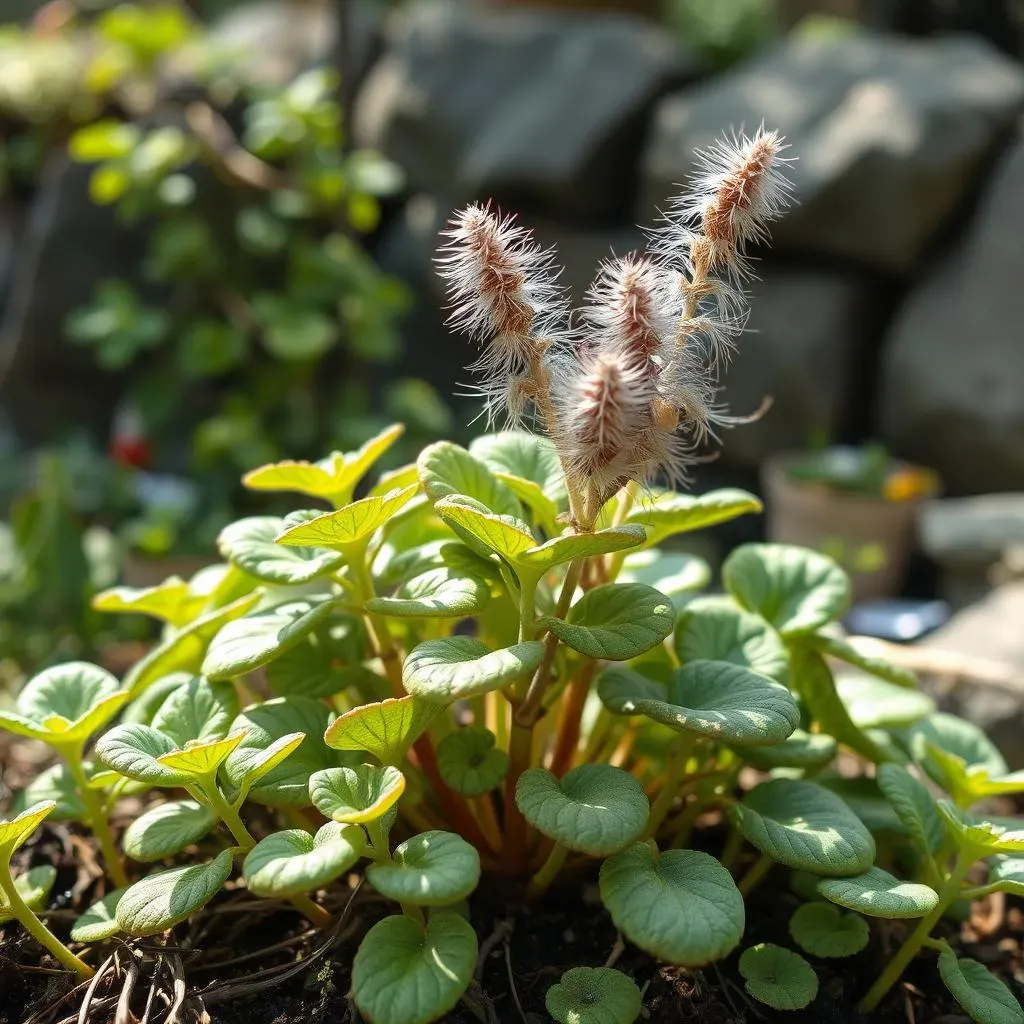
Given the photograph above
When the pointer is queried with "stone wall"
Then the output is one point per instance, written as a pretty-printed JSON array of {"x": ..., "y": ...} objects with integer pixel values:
[
  {"x": 883, "y": 308},
  {"x": 887, "y": 306}
]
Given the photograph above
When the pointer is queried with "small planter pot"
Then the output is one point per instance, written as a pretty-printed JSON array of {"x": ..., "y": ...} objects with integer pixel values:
[
  {"x": 872, "y": 537},
  {"x": 145, "y": 571}
]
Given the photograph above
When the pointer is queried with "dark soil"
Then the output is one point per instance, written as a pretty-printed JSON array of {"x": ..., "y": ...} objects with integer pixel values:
[{"x": 250, "y": 962}]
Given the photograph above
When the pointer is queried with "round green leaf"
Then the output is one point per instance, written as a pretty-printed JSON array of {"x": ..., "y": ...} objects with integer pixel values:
[
  {"x": 135, "y": 750},
  {"x": 594, "y": 995},
  {"x": 327, "y": 662},
  {"x": 799, "y": 750},
  {"x": 878, "y": 894},
  {"x": 526, "y": 456},
  {"x": 954, "y": 736},
  {"x": 98, "y": 922},
  {"x": 55, "y": 785},
  {"x": 408, "y": 972},
  {"x": 778, "y": 977},
  {"x": 676, "y": 575},
  {"x": 795, "y": 589},
  {"x": 143, "y": 707},
  {"x": 68, "y": 691},
  {"x": 506, "y": 535},
  {"x": 715, "y": 629},
  {"x": 544, "y": 511},
  {"x": 470, "y": 763},
  {"x": 165, "y": 829},
  {"x": 197, "y": 711},
  {"x": 170, "y": 601},
  {"x": 667, "y": 513},
  {"x": 431, "y": 869},
  {"x": 980, "y": 836},
  {"x": 33, "y": 886},
  {"x": 445, "y": 469},
  {"x": 710, "y": 698},
  {"x": 14, "y": 831},
  {"x": 246, "y": 644},
  {"x": 595, "y": 808},
  {"x": 160, "y": 901},
  {"x": 1008, "y": 874},
  {"x": 456, "y": 667},
  {"x": 565, "y": 548},
  {"x": 803, "y": 825},
  {"x": 292, "y": 862},
  {"x": 353, "y": 524},
  {"x": 912, "y": 801},
  {"x": 386, "y": 729},
  {"x": 822, "y": 929},
  {"x": 356, "y": 795},
  {"x": 616, "y": 621},
  {"x": 813, "y": 680},
  {"x": 438, "y": 593},
  {"x": 67, "y": 703},
  {"x": 271, "y": 727},
  {"x": 201, "y": 758},
  {"x": 681, "y": 905},
  {"x": 837, "y": 648},
  {"x": 981, "y": 994},
  {"x": 864, "y": 797},
  {"x": 251, "y": 544},
  {"x": 333, "y": 478},
  {"x": 184, "y": 650},
  {"x": 876, "y": 704}
]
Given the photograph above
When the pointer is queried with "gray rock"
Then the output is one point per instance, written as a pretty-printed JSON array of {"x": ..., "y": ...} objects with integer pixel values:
[
  {"x": 953, "y": 365},
  {"x": 542, "y": 109},
  {"x": 277, "y": 39},
  {"x": 981, "y": 527},
  {"x": 970, "y": 540},
  {"x": 46, "y": 384},
  {"x": 987, "y": 688},
  {"x": 807, "y": 335},
  {"x": 890, "y": 135}
]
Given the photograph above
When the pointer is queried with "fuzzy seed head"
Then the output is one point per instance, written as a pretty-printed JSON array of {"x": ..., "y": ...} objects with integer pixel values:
[{"x": 633, "y": 308}]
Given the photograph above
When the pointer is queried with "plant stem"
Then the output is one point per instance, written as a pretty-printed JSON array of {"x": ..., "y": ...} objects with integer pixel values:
[
  {"x": 20, "y": 909},
  {"x": 411, "y": 910},
  {"x": 732, "y": 848},
  {"x": 916, "y": 939},
  {"x": 674, "y": 772},
  {"x": 627, "y": 499},
  {"x": 541, "y": 881},
  {"x": 313, "y": 911},
  {"x": 228, "y": 814},
  {"x": 98, "y": 816},
  {"x": 484, "y": 807},
  {"x": 573, "y": 702},
  {"x": 528, "y": 709},
  {"x": 520, "y": 752},
  {"x": 753, "y": 878}
]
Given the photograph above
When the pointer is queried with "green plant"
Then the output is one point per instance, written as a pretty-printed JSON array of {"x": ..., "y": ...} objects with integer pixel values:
[
  {"x": 465, "y": 673},
  {"x": 868, "y": 471}
]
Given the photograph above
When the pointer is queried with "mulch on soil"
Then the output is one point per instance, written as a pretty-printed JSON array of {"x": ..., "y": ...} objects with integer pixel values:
[{"x": 246, "y": 961}]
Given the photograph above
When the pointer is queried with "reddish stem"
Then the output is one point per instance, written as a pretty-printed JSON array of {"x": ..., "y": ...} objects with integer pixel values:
[{"x": 569, "y": 725}]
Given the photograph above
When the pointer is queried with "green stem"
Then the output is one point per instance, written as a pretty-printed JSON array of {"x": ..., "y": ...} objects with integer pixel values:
[
  {"x": 379, "y": 846},
  {"x": 21, "y": 910},
  {"x": 313, "y": 911},
  {"x": 98, "y": 816},
  {"x": 675, "y": 770},
  {"x": 542, "y": 880},
  {"x": 535, "y": 693},
  {"x": 753, "y": 878},
  {"x": 732, "y": 848},
  {"x": 917, "y": 938},
  {"x": 226, "y": 812},
  {"x": 411, "y": 910}
]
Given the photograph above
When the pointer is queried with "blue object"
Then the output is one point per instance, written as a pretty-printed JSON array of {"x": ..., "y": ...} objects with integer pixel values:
[{"x": 901, "y": 621}]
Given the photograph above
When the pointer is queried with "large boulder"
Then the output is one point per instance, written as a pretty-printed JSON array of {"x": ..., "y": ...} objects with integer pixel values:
[
  {"x": 890, "y": 136},
  {"x": 540, "y": 108},
  {"x": 953, "y": 365},
  {"x": 807, "y": 337}
]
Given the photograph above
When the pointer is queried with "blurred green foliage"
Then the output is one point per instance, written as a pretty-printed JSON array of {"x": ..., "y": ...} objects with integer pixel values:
[
  {"x": 723, "y": 30},
  {"x": 252, "y": 327}
]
